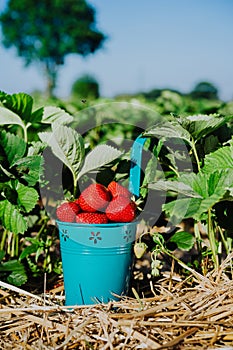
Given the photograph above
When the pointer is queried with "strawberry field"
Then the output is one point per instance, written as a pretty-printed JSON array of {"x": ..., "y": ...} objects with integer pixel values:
[{"x": 71, "y": 161}]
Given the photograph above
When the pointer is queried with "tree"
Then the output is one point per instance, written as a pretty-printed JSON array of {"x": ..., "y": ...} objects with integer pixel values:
[
  {"x": 206, "y": 90},
  {"x": 85, "y": 87},
  {"x": 47, "y": 31}
]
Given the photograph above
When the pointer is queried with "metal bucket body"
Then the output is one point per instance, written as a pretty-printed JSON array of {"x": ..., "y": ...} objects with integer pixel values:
[{"x": 97, "y": 260}]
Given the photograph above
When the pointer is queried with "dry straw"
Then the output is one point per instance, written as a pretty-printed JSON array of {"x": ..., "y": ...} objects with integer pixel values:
[{"x": 194, "y": 313}]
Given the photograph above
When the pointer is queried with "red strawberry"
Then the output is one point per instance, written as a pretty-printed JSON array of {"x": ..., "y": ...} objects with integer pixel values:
[
  {"x": 121, "y": 209},
  {"x": 67, "y": 211},
  {"x": 94, "y": 198},
  {"x": 92, "y": 218},
  {"x": 118, "y": 190}
]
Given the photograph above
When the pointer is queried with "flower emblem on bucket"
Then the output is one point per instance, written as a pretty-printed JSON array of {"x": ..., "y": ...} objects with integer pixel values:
[
  {"x": 95, "y": 237},
  {"x": 128, "y": 235},
  {"x": 65, "y": 235}
]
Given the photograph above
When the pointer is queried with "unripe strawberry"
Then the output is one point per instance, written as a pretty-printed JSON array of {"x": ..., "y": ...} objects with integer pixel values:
[
  {"x": 67, "y": 211},
  {"x": 139, "y": 249},
  {"x": 94, "y": 198}
]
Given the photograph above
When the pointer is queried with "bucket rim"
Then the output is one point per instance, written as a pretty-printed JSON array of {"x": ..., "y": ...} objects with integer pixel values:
[{"x": 111, "y": 224}]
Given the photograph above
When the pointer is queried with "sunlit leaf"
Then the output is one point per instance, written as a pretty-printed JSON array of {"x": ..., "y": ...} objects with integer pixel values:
[
  {"x": 98, "y": 157},
  {"x": 9, "y": 117},
  {"x": 67, "y": 145},
  {"x": 201, "y": 125},
  {"x": 52, "y": 114},
  {"x": 169, "y": 130}
]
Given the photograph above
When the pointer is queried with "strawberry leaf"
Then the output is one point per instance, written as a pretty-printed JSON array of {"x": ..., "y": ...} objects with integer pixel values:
[
  {"x": 223, "y": 157},
  {"x": 9, "y": 117},
  {"x": 202, "y": 125},
  {"x": 17, "y": 272},
  {"x": 169, "y": 130},
  {"x": 67, "y": 145},
  {"x": 11, "y": 218},
  {"x": 210, "y": 189},
  {"x": 184, "y": 240},
  {"x": 27, "y": 197},
  {"x": 98, "y": 157},
  {"x": 14, "y": 146},
  {"x": 56, "y": 115},
  {"x": 31, "y": 168}
]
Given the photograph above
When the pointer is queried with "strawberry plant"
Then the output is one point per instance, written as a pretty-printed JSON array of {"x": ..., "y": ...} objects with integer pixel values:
[
  {"x": 196, "y": 191},
  {"x": 21, "y": 173}
]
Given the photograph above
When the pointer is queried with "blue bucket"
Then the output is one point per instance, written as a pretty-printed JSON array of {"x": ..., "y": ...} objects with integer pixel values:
[{"x": 97, "y": 258}]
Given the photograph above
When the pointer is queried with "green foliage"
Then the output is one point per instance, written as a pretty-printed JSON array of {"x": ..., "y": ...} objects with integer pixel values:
[
  {"x": 12, "y": 271},
  {"x": 46, "y": 32},
  {"x": 194, "y": 193},
  {"x": 188, "y": 157},
  {"x": 183, "y": 240},
  {"x": 21, "y": 174}
]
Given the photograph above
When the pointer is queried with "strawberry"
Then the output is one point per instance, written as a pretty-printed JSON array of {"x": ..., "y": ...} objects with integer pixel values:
[
  {"x": 91, "y": 218},
  {"x": 118, "y": 190},
  {"x": 67, "y": 211},
  {"x": 121, "y": 209},
  {"x": 94, "y": 198},
  {"x": 139, "y": 249}
]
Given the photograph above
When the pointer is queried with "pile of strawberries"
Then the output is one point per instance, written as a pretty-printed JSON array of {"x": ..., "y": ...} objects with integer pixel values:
[{"x": 98, "y": 204}]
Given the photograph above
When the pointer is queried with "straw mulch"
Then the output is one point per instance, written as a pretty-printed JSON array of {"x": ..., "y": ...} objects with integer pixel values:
[{"x": 192, "y": 313}]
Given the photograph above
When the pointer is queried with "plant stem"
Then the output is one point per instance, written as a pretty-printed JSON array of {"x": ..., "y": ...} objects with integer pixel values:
[
  {"x": 212, "y": 240},
  {"x": 3, "y": 239},
  {"x": 198, "y": 237},
  {"x": 198, "y": 242},
  {"x": 196, "y": 155},
  {"x": 25, "y": 133},
  {"x": 175, "y": 171},
  {"x": 224, "y": 240},
  {"x": 181, "y": 263}
]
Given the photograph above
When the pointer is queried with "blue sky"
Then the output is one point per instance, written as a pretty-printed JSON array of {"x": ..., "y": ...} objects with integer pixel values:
[{"x": 152, "y": 44}]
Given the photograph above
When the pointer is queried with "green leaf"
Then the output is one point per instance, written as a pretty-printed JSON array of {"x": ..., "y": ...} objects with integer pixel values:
[
  {"x": 29, "y": 250},
  {"x": 210, "y": 188},
  {"x": 201, "y": 125},
  {"x": 174, "y": 186},
  {"x": 13, "y": 145},
  {"x": 11, "y": 218},
  {"x": 27, "y": 197},
  {"x": 169, "y": 130},
  {"x": 17, "y": 279},
  {"x": 2, "y": 254},
  {"x": 98, "y": 157},
  {"x": 56, "y": 115},
  {"x": 37, "y": 115},
  {"x": 67, "y": 145},
  {"x": 223, "y": 157},
  {"x": 18, "y": 274},
  {"x": 9, "y": 117},
  {"x": 21, "y": 104},
  {"x": 184, "y": 240},
  {"x": 30, "y": 168},
  {"x": 182, "y": 208}
]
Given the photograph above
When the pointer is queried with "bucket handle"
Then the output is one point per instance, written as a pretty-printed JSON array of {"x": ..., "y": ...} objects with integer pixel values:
[{"x": 135, "y": 168}]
